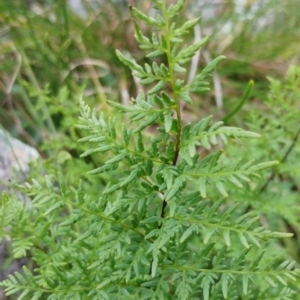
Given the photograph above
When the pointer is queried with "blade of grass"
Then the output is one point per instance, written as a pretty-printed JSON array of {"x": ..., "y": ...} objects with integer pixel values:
[{"x": 242, "y": 101}]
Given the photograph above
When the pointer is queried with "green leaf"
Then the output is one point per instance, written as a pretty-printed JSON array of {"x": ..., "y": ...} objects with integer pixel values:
[
  {"x": 168, "y": 121},
  {"x": 146, "y": 81},
  {"x": 281, "y": 280},
  {"x": 184, "y": 29},
  {"x": 205, "y": 142},
  {"x": 140, "y": 144},
  {"x": 245, "y": 284},
  {"x": 159, "y": 86},
  {"x": 165, "y": 71},
  {"x": 225, "y": 283},
  {"x": 192, "y": 149},
  {"x": 254, "y": 240},
  {"x": 154, "y": 53},
  {"x": 153, "y": 219},
  {"x": 264, "y": 165},
  {"x": 208, "y": 234},
  {"x": 166, "y": 99},
  {"x": 243, "y": 177},
  {"x": 154, "y": 39},
  {"x": 130, "y": 178},
  {"x": 154, "y": 265},
  {"x": 148, "y": 69},
  {"x": 147, "y": 20},
  {"x": 100, "y": 149},
  {"x": 174, "y": 8},
  {"x": 184, "y": 154},
  {"x": 201, "y": 125},
  {"x": 243, "y": 240},
  {"x": 99, "y": 170},
  {"x": 158, "y": 101},
  {"x": 163, "y": 41},
  {"x": 202, "y": 186},
  {"x": 221, "y": 188},
  {"x": 130, "y": 63},
  {"x": 270, "y": 281},
  {"x": 151, "y": 120},
  {"x": 226, "y": 236},
  {"x": 110, "y": 189},
  {"x": 238, "y": 132},
  {"x": 178, "y": 69},
  {"x": 117, "y": 158},
  {"x": 126, "y": 133},
  {"x": 233, "y": 179},
  {"x": 206, "y": 286},
  {"x": 179, "y": 181},
  {"x": 49, "y": 183},
  {"x": 212, "y": 65},
  {"x": 139, "y": 35},
  {"x": 187, "y": 233},
  {"x": 25, "y": 293},
  {"x": 281, "y": 235},
  {"x": 54, "y": 207},
  {"x": 185, "y": 97},
  {"x": 151, "y": 234},
  {"x": 188, "y": 52},
  {"x": 170, "y": 151}
]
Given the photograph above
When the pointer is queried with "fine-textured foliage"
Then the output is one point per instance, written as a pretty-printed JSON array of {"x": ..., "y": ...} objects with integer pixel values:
[{"x": 158, "y": 229}]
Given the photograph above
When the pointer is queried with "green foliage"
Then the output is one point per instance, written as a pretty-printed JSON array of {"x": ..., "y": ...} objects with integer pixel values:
[
  {"x": 165, "y": 225},
  {"x": 276, "y": 197}
]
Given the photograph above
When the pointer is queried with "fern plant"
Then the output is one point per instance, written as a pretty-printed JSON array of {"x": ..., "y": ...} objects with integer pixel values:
[
  {"x": 276, "y": 197},
  {"x": 153, "y": 232}
]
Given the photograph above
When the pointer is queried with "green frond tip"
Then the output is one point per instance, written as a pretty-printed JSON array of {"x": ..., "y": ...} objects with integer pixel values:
[
  {"x": 128, "y": 62},
  {"x": 238, "y": 132},
  {"x": 281, "y": 235},
  {"x": 264, "y": 165},
  {"x": 212, "y": 65},
  {"x": 117, "y": 105},
  {"x": 186, "y": 27},
  {"x": 147, "y": 20}
]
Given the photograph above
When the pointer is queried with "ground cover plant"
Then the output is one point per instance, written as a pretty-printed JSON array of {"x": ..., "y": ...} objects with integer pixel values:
[
  {"x": 166, "y": 210},
  {"x": 51, "y": 43}
]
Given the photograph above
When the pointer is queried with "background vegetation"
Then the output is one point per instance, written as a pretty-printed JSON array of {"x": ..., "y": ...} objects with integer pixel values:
[
  {"x": 52, "y": 52},
  {"x": 52, "y": 46}
]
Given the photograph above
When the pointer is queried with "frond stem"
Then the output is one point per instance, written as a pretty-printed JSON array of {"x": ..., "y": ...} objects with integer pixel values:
[{"x": 175, "y": 95}]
